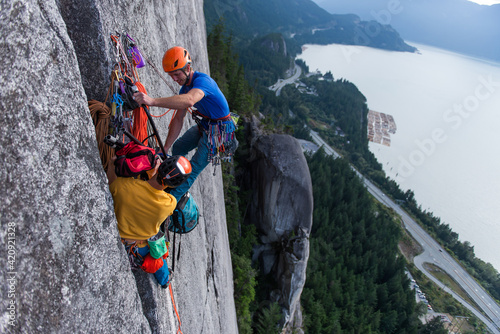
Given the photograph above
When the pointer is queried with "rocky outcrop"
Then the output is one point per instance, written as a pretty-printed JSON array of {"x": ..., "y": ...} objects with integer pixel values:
[
  {"x": 281, "y": 209},
  {"x": 276, "y": 43},
  {"x": 65, "y": 270}
]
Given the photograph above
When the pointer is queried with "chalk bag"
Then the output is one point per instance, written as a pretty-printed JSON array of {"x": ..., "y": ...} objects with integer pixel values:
[{"x": 157, "y": 245}]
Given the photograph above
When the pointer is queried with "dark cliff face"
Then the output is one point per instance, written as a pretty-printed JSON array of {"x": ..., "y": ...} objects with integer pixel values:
[
  {"x": 67, "y": 271},
  {"x": 276, "y": 43},
  {"x": 281, "y": 209}
]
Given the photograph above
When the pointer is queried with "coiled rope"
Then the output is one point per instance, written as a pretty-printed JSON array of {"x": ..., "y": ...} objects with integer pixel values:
[{"x": 101, "y": 113}]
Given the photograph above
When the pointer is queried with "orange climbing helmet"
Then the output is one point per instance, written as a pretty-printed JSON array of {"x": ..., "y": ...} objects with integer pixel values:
[
  {"x": 174, "y": 171},
  {"x": 175, "y": 58}
]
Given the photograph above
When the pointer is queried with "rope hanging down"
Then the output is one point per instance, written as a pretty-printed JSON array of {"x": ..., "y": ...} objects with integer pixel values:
[{"x": 179, "y": 331}]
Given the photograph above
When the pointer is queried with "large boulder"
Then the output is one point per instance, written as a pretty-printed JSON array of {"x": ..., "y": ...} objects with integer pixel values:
[
  {"x": 281, "y": 209},
  {"x": 65, "y": 269}
]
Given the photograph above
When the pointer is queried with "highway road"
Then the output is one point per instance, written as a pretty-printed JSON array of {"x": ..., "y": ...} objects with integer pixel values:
[
  {"x": 297, "y": 72},
  {"x": 433, "y": 253}
]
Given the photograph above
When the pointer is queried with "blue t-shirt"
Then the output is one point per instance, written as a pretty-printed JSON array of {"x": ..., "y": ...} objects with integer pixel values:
[{"x": 213, "y": 104}]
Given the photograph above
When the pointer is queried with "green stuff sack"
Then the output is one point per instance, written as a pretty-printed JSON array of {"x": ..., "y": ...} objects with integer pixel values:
[{"x": 157, "y": 245}]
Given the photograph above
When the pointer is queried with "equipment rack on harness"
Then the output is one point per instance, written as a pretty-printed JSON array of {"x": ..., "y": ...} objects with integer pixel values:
[{"x": 222, "y": 142}]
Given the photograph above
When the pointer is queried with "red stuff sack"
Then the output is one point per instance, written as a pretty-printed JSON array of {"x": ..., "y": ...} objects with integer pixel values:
[{"x": 134, "y": 160}]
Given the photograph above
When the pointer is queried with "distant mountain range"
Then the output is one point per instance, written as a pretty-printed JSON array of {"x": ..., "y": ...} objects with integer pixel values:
[
  {"x": 302, "y": 21},
  {"x": 456, "y": 25}
]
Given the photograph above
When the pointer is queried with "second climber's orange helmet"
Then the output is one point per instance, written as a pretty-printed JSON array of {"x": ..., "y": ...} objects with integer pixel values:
[{"x": 175, "y": 58}]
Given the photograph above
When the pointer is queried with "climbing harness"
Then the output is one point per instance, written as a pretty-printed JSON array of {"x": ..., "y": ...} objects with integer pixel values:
[
  {"x": 222, "y": 142},
  {"x": 132, "y": 247}
]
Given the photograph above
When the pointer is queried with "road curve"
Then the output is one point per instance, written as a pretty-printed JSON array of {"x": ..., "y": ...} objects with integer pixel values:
[{"x": 297, "y": 72}]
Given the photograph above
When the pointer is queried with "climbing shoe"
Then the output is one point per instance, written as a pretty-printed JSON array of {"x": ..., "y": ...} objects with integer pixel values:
[{"x": 164, "y": 286}]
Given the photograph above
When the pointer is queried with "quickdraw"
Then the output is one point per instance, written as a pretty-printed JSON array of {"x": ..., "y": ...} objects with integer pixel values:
[
  {"x": 127, "y": 60},
  {"x": 125, "y": 82}
]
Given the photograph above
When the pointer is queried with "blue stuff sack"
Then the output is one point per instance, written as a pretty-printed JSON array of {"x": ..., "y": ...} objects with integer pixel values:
[{"x": 185, "y": 216}]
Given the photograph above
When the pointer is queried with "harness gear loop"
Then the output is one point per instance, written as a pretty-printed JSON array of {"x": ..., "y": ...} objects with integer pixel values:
[
  {"x": 121, "y": 57},
  {"x": 220, "y": 131},
  {"x": 134, "y": 257}
]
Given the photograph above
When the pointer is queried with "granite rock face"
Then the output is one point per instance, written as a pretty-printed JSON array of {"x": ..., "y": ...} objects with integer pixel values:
[
  {"x": 281, "y": 209},
  {"x": 65, "y": 268}
]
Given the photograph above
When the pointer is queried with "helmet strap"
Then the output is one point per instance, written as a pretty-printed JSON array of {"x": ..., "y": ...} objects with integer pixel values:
[
  {"x": 159, "y": 179},
  {"x": 157, "y": 183},
  {"x": 187, "y": 74}
]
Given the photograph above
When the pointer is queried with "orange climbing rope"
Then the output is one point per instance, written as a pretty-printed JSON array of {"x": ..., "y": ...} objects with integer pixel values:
[
  {"x": 140, "y": 126},
  {"x": 166, "y": 112},
  {"x": 175, "y": 308}
]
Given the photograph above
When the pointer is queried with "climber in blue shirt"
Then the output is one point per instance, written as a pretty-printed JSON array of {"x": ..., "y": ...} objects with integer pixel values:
[{"x": 200, "y": 93}]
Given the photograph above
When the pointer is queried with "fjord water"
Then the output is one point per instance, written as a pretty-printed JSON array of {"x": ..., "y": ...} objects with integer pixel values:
[{"x": 446, "y": 149}]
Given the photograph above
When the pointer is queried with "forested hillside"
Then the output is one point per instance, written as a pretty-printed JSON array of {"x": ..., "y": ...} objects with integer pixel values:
[
  {"x": 265, "y": 59},
  {"x": 356, "y": 282},
  {"x": 336, "y": 108}
]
